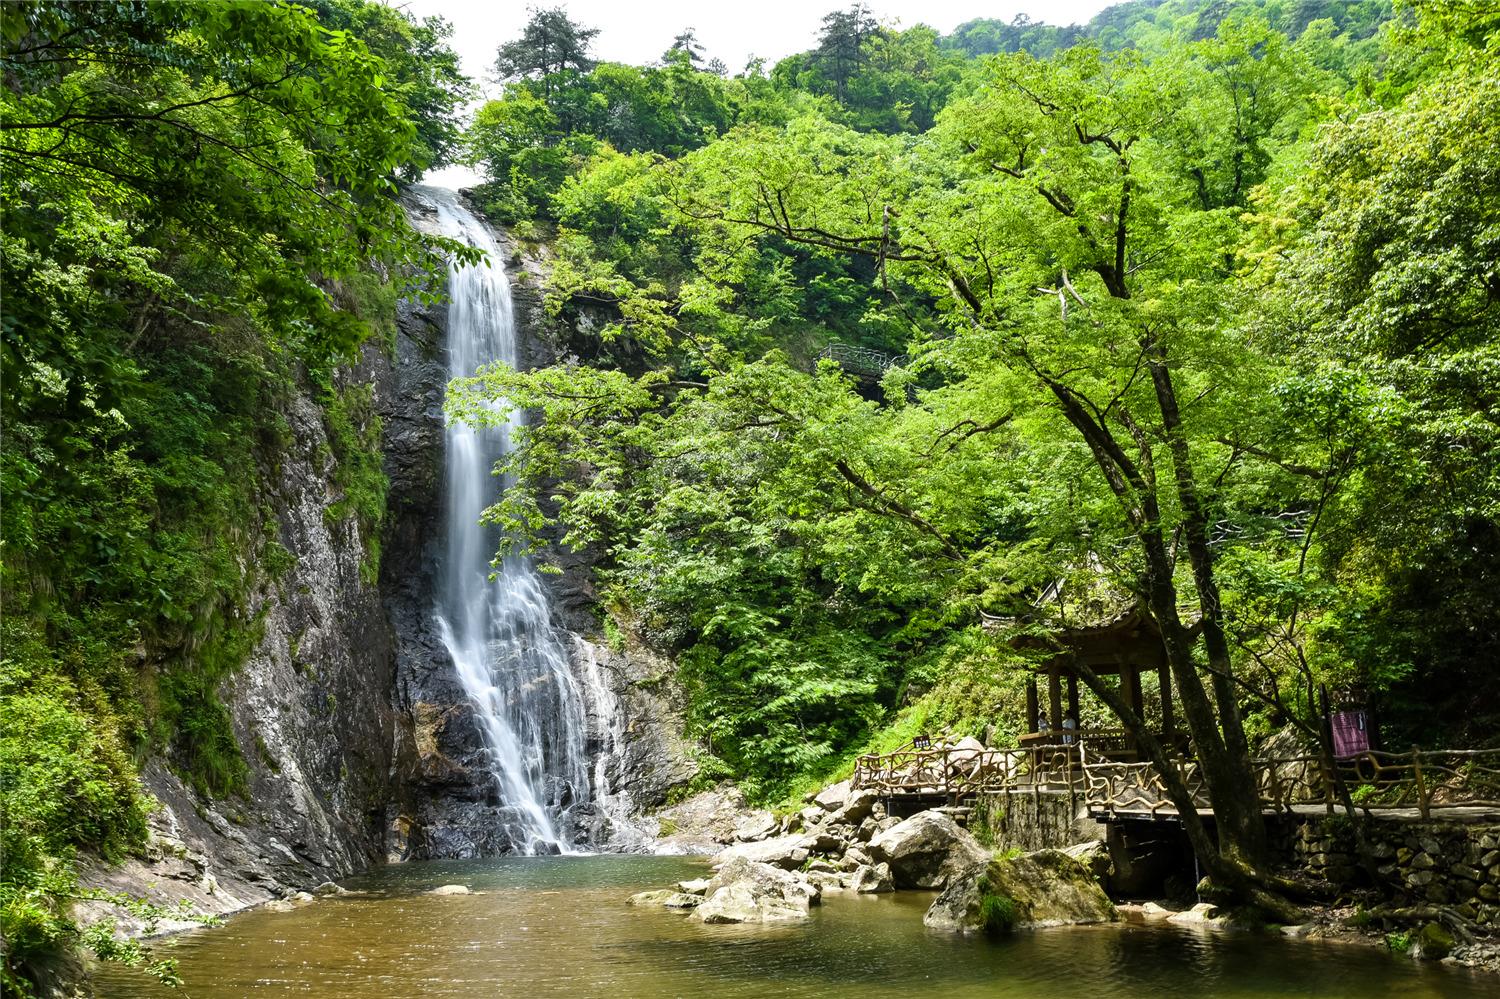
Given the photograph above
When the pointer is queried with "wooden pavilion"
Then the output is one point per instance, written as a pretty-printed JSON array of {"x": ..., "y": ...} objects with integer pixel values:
[{"x": 1126, "y": 646}]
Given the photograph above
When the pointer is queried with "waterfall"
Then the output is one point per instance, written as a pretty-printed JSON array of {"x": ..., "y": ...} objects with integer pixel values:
[{"x": 496, "y": 620}]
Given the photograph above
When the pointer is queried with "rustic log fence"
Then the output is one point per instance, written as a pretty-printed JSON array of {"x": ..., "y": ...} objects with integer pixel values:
[{"x": 1426, "y": 780}]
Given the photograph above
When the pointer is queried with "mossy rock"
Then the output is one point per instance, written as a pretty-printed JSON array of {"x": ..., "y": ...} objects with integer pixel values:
[
  {"x": 1432, "y": 942},
  {"x": 1045, "y": 888}
]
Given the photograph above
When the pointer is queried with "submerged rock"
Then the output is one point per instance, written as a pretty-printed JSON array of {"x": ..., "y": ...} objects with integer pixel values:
[
  {"x": 1432, "y": 943},
  {"x": 745, "y": 891},
  {"x": 697, "y": 886},
  {"x": 927, "y": 850},
  {"x": 450, "y": 890},
  {"x": 1204, "y": 913},
  {"x": 1045, "y": 888}
]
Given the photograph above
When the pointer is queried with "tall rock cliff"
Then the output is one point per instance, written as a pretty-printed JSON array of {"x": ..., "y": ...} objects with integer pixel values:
[
  {"x": 360, "y": 742},
  {"x": 311, "y": 707}
]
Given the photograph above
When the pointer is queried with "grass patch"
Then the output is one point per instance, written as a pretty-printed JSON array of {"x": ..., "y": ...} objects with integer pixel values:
[{"x": 998, "y": 914}]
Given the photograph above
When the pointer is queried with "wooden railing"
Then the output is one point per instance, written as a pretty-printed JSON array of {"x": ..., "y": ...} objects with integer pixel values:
[
  {"x": 1137, "y": 788},
  {"x": 1423, "y": 779},
  {"x": 960, "y": 773}
]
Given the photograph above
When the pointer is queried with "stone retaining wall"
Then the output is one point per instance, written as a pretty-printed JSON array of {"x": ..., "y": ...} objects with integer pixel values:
[
  {"x": 1433, "y": 861},
  {"x": 1033, "y": 820}
]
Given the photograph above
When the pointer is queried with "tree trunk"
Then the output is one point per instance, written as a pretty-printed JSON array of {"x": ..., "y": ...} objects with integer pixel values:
[{"x": 1242, "y": 831}]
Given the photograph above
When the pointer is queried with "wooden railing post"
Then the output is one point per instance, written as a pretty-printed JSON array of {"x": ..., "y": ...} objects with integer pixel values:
[{"x": 1416, "y": 770}]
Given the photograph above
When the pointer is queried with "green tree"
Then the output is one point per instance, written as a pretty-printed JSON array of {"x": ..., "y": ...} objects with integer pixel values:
[
  {"x": 1380, "y": 247},
  {"x": 423, "y": 68},
  {"x": 551, "y": 43},
  {"x": 685, "y": 47},
  {"x": 841, "y": 45}
]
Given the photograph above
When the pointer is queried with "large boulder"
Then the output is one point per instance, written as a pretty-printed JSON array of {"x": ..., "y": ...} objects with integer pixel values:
[
  {"x": 872, "y": 879},
  {"x": 927, "y": 850},
  {"x": 964, "y": 757},
  {"x": 744, "y": 891},
  {"x": 1095, "y": 856},
  {"x": 787, "y": 852},
  {"x": 826, "y": 842},
  {"x": 756, "y": 827},
  {"x": 832, "y": 797},
  {"x": 857, "y": 808},
  {"x": 855, "y": 858},
  {"x": 1046, "y": 888}
]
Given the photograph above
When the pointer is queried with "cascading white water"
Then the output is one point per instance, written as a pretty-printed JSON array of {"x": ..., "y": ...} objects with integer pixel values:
[{"x": 496, "y": 620}]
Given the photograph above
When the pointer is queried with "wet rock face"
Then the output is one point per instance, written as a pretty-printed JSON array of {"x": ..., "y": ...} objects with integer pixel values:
[
  {"x": 311, "y": 709},
  {"x": 440, "y": 806},
  {"x": 446, "y": 803},
  {"x": 359, "y": 740}
]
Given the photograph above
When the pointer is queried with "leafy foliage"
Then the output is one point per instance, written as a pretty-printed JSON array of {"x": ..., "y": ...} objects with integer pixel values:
[
  {"x": 198, "y": 202},
  {"x": 1190, "y": 271}
]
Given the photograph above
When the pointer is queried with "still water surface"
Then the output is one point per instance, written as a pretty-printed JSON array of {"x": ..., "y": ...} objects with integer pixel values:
[{"x": 542, "y": 927}]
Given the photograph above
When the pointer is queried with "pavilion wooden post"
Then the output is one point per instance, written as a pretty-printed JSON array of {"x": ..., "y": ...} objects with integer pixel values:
[
  {"x": 1073, "y": 697},
  {"x": 1054, "y": 698},
  {"x": 1130, "y": 691},
  {"x": 1168, "y": 719},
  {"x": 1032, "y": 707}
]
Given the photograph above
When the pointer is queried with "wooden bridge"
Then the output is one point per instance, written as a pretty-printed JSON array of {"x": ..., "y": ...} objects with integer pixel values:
[{"x": 1424, "y": 780}]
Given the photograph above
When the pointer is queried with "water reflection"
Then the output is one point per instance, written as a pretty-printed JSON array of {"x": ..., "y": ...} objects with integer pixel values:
[{"x": 559, "y": 927}]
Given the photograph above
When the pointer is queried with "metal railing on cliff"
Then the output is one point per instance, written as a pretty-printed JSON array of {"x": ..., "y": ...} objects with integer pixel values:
[{"x": 861, "y": 360}]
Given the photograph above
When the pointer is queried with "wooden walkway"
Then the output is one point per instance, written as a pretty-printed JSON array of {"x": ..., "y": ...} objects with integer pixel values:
[{"x": 1422, "y": 781}]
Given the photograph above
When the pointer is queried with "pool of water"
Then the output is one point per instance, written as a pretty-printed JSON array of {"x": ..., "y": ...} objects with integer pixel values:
[{"x": 559, "y": 926}]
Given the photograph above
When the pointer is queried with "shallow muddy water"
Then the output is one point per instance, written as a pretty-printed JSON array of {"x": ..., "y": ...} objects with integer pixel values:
[{"x": 542, "y": 927}]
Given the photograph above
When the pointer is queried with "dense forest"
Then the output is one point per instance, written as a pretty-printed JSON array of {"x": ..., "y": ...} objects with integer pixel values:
[
  {"x": 1193, "y": 308},
  {"x": 1202, "y": 301}
]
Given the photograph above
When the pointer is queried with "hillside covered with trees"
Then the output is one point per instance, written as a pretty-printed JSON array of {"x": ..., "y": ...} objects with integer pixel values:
[{"x": 1193, "y": 308}]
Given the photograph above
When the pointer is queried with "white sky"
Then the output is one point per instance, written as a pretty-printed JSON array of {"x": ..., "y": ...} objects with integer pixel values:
[{"x": 639, "y": 32}]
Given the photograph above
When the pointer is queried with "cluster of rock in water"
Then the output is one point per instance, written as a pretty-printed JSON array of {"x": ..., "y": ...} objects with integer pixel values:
[{"x": 845, "y": 842}]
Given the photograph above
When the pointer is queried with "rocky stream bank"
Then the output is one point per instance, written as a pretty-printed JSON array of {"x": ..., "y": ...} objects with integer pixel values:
[
  {"x": 844, "y": 841},
  {"x": 774, "y": 869}
]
